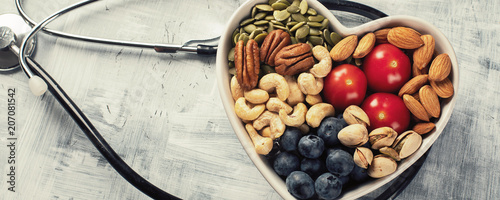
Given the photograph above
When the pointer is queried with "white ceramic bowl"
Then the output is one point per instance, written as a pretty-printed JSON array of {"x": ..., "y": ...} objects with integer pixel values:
[{"x": 223, "y": 77}]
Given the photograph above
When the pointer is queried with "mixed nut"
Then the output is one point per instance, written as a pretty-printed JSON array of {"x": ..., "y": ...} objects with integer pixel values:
[{"x": 283, "y": 53}]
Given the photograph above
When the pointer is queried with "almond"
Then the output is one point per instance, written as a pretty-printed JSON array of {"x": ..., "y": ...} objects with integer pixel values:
[
  {"x": 423, "y": 55},
  {"x": 344, "y": 48},
  {"x": 404, "y": 38},
  {"x": 365, "y": 45},
  {"x": 430, "y": 101},
  {"x": 440, "y": 67},
  {"x": 381, "y": 35},
  {"x": 444, "y": 88},
  {"x": 413, "y": 85},
  {"x": 424, "y": 127},
  {"x": 415, "y": 107}
]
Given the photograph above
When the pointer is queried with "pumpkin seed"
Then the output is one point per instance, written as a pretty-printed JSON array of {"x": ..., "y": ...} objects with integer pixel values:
[
  {"x": 302, "y": 32},
  {"x": 316, "y": 18},
  {"x": 314, "y": 31},
  {"x": 262, "y": 28},
  {"x": 296, "y": 26},
  {"x": 236, "y": 31},
  {"x": 293, "y": 9},
  {"x": 244, "y": 37},
  {"x": 260, "y": 22},
  {"x": 291, "y": 24},
  {"x": 310, "y": 44},
  {"x": 266, "y": 69},
  {"x": 260, "y": 16},
  {"x": 281, "y": 15},
  {"x": 299, "y": 17},
  {"x": 281, "y": 27},
  {"x": 315, "y": 40},
  {"x": 232, "y": 70},
  {"x": 325, "y": 23},
  {"x": 326, "y": 36},
  {"x": 277, "y": 23},
  {"x": 335, "y": 38},
  {"x": 303, "y": 7},
  {"x": 246, "y": 21},
  {"x": 255, "y": 33},
  {"x": 260, "y": 37},
  {"x": 250, "y": 28},
  {"x": 236, "y": 38},
  {"x": 230, "y": 55},
  {"x": 284, "y": 2},
  {"x": 311, "y": 11},
  {"x": 296, "y": 3},
  {"x": 272, "y": 1},
  {"x": 270, "y": 28},
  {"x": 269, "y": 17},
  {"x": 294, "y": 40},
  {"x": 314, "y": 24},
  {"x": 264, "y": 7},
  {"x": 254, "y": 11},
  {"x": 279, "y": 6}
]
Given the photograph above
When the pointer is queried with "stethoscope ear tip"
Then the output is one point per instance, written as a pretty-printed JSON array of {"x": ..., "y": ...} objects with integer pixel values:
[{"x": 37, "y": 85}]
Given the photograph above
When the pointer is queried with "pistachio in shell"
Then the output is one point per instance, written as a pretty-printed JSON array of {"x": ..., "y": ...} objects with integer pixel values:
[
  {"x": 390, "y": 152},
  {"x": 382, "y": 137},
  {"x": 407, "y": 143},
  {"x": 355, "y": 115},
  {"x": 354, "y": 135},
  {"x": 363, "y": 157},
  {"x": 382, "y": 165}
]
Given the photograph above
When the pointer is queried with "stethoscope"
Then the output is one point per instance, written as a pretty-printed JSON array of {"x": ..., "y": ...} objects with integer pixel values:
[{"x": 40, "y": 80}]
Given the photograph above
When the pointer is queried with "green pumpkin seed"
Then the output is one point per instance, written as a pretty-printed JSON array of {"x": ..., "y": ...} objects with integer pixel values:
[
  {"x": 303, "y": 7},
  {"x": 315, "y": 40},
  {"x": 317, "y": 18},
  {"x": 299, "y": 17},
  {"x": 236, "y": 31},
  {"x": 314, "y": 24},
  {"x": 284, "y": 2},
  {"x": 311, "y": 11},
  {"x": 296, "y": 3},
  {"x": 260, "y": 22},
  {"x": 277, "y": 23},
  {"x": 236, "y": 38},
  {"x": 262, "y": 28},
  {"x": 244, "y": 37},
  {"x": 272, "y": 1},
  {"x": 310, "y": 44},
  {"x": 270, "y": 28},
  {"x": 326, "y": 36},
  {"x": 266, "y": 69},
  {"x": 281, "y": 27},
  {"x": 335, "y": 38},
  {"x": 325, "y": 23},
  {"x": 296, "y": 26},
  {"x": 294, "y": 40},
  {"x": 260, "y": 16},
  {"x": 250, "y": 28},
  {"x": 264, "y": 7},
  {"x": 255, "y": 33},
  {"x": 291, "y": 24},
  {"x": 246, "y": 21},
  {"x": 230, "y": 55},
  {"x": 314, "y": 31},
  {"x": 279, "y": 6},
  {"x": 260, "y": 38},
  {"x": 232, "y": 70},
  {"x": 269, "y": 17},
  {"x": 302, "y": 32},
  {"x": 293, "y": 9},
  {"x": 254, "y": 11},
  {"x": 281, "y": 15}
]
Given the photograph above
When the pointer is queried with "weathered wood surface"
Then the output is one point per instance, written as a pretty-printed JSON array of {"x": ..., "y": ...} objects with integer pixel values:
[{"x": 163, "y": 115}]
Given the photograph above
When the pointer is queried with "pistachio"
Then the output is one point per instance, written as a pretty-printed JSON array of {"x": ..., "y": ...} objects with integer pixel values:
[
  {"x": 382, "y": 137},
  {"x": 363, "y": 157},
  {"x": 390, "y": 152},
  {"x": 353, "y": 135},
  {"x": 407, "y": 143},
  {"x": 381, "y": 166},
  {"x": 355, "y": 115}
]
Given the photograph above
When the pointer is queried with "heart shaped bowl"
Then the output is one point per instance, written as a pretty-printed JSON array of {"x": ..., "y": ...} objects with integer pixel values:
[{"x": 262, "y": 164}]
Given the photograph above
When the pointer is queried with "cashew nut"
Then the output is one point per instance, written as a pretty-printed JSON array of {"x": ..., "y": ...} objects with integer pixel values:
[
  {"x": 248, "y": 112},
  {"x": 236, "y": 89},
  {"x": 314, "y": 99},
  {"x": 275, "y": 105},
  {"x": 296, "y": 96},
  {"x": 324, "y": 66},
  {"x": 263, "y": 120},
  {"x": 317, "y": 112},
  {"x": 256, "y": 96},
  {"x": 263, "y": 145},
  {"x": 274, "y": 81},
  {"x": 271, "y": 120},
  {"x": 309, "y": 84},
  {"x": 297, "y": 118}
]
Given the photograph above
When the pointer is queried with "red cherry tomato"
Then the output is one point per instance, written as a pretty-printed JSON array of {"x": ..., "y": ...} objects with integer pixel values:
[
  {"x": 385, "y": 109},
  {"x": 387, "y": 68},
  {"x": 345, "y": 85}
]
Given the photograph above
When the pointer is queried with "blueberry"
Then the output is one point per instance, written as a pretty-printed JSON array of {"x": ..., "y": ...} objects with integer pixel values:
[
  {"x": 300, "y": 185},
  {"x": 328, "y": 186},
  {"x": 339, "y": 162},
  {"x": 290, "y": 138},
  {"x": 358, "y": 174},
  {"x": 285, "y": 163},
  {"x": 313, "y": 167},
  {"x": 329, "y": 128},
  {"x": 344, "y": 179},
  {"x": 311, "y": 146}
]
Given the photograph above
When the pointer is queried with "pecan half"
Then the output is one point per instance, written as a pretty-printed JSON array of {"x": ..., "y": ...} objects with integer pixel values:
[
  {"x": 294, "y": 59},
  {"x": 272, "y": 44},
  {"x": 247, "y": 64}
]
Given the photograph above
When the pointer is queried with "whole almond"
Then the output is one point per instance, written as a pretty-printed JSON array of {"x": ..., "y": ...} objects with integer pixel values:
[
  {"x": 344, "y": 48},
  {"x": 430, "y": 101},
  {"x": 413, "y": 85},
  {"x": 444, "y": 88},
  {"x": 440, "y": 67},
  {"x": 415, "y": 107},
  {"x": 423, "y": 55},
  {"x": 381, "y": 35},
  {"x": 404, "y": 38},
  {"x": 424, "y": 127},
  {"x": 365, "y": 45}
]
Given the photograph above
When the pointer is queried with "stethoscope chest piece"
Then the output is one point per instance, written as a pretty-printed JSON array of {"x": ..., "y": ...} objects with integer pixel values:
[{"x": 9, "y": 60}]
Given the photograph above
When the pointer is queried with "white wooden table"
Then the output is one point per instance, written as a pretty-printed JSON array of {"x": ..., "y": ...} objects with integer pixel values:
[{"x": 163, "y": 115}]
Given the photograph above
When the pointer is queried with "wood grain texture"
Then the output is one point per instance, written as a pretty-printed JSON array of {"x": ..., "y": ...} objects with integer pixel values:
[{"x": 163, "y": 115}]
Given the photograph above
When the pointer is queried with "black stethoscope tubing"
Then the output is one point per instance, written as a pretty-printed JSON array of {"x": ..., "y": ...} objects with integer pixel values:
[{"x": 115, "y": 160}]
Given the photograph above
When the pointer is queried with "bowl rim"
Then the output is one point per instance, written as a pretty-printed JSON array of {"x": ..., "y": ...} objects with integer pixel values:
[{"x": 223, "y": 78}]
